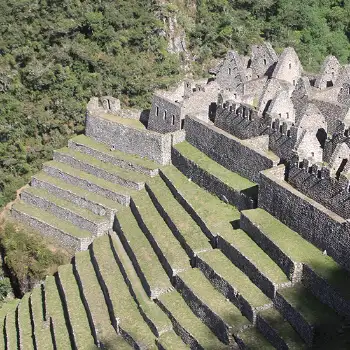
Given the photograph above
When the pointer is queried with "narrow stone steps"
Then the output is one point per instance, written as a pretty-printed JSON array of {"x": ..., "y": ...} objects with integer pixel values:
[
  {"x": 65, "y": 210},
  {"x": 26, "y": 341},
  {"x": 70, "y": 294},
  {"x": 104, "y": 153},
  {"x": 220, "y": 221},
  {"x": 218, "y": 313},
  {"x": 205, "y": 172},
  {"x": 11, "y": 331},
  {"x": 154, "y": 316},
  {"x": 168, "y": 249},
  {"x": 299, "y": 259},
  {"x": 170, "y": 340},
  {"x": 95, "y": 302},
  {"x": 41, "y": 325},
  {"x": 308, "y": 316},
  {"x": 96, "y": 167},
  {"x": 278, "y": 331},
  {"x": 233, "y": 283},
  {"x": 50, "y": 225},
  {"x": 88, "y": 182},
  {"x": 184, "y": 228},
  {"x": 145, "y": 261},
  {"x": 55, "y": 311},
  {"x": 190, "y": 328},
  {"x": 120, "y": 303},
  {"x": 252, "y": 339},
  {"x": 99, "y": 205}
]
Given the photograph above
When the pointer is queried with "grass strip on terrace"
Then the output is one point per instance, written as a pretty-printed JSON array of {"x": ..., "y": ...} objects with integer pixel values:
[
  {"x": 218, "y": 217},
  {"x": 78, "y": 191},
  {"x": 43, "y": 337},
  {"x": 95, "y": 299},
  {"x": 120, "y": 120},
  {"x": 235, "y": 277},
  {"x": 108, "y": 167},
  {"x": 7, "y": 307},
  {"x": 170, "y": 340},
  {"x": 300, "y": 250},
  {"x": 204, "y": 290},
  {"x": 52, "y": 220},
  {"x": 55, "y": 310},
  {"x": 85, "y": 213},
  {"x": 76, "y": 310},
  {"x": 254, "y": 340},
  {"x": 146, "y": 257},
  {"x": 24, "y": 323},
  {"x": 181, "y": 312},
  {"x": 124, "y": 305},
  {"x": 88, "y": 177},
  {"x": 187, "y": 227},
  {"x": 171, "y": 248},
  {"x": 11, "y": 331},
  {"x": 283, "y": 328},
  {"x": 226, "y": 176},
  {"x": 101, "y": 147}
]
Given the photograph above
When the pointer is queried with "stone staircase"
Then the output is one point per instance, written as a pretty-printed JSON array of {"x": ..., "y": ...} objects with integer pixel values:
[{"x": 179, "y": 268}]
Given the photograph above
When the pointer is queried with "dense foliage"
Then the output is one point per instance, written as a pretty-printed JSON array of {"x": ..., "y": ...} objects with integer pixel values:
[{"x": 56, "y": 54}]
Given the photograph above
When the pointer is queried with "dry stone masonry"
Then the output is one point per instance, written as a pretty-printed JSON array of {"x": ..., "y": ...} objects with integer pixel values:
[{"x": 217, "y": 220}]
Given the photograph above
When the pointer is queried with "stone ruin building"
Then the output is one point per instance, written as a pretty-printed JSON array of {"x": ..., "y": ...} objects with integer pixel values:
[{"x": 220, "y": 220}]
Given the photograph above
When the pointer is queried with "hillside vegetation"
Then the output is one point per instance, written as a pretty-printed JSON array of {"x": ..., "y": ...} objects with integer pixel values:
[{"x": 56, "y": 54}]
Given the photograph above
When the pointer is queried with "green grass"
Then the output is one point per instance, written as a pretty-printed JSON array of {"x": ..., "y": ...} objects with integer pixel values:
[
  {"x": 204, "y": 290},
  {"x": 218, "y": 216},
  {"x": 254, "y": 340},
  {"x": 188, "y": 228},
  {"x": 52, "y": 220},
  {"x": 228, "y": 177},
  {"x": 76, "y": 310},
  {"x": 235, "y": 277},
  {"x": 182, "y": 313},
  {"x": 85, "y": 213},
  {"x": 11, "y": 330},
  {"x": 171, "y": 248},
  {"x": 42, "y": 330},
  {"x": 134, "y": 159},
  {"x": 108, "y": 167},
  {"x": 125, "y": 121},
  {"x": 55, "y": 310},
  {"x": 300, "y": 250},
  {"x": 283, "y": 328},
  {"x": 24, "y": 323},
  {"x": 123, "y": 304},
  {"x": 313, "y": 311},
  {"x": 8, "y": 306},
  {"x": 143, "y": 251},
  {"x": 78, "y": 191},
  {"x": 95, "y": 299},
  {"x": 88, "y": 177},
  {"x": 170, "y": 340}
]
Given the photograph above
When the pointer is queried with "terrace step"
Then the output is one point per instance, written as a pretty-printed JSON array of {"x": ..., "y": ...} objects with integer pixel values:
[
  {"x": 169, "y": 251},
  {"x": 184, "y": 228},
  {"x": 299, "y": 259},
  {"x": 104, "y": 153},
  {"x": 41, "y": 325},
  {"x": 88, "y": 182},
  {"x": 154, "y": 316},
  {"x": 315, "y": 322},
  {"x": 55, "y": 312},
  {"x": 94, "y": 299},
  {"x": 278, "y": 331},
  {"x": 99, "y": 205},
  {"x": 205, "y": 172},
  {"x": 191, "y": 330},
  {"x": 218, "y": 220},
  {"x": 11, "y": 331},
  {"x": 218, "y": 313},
  {"x": 8, "y": 307},
  {"x": 149, "y": 269},
  {"x": 65, "y": 210},
  {"x": 233, "y": 283},
  {"x": 50, "y": 225},
  {"x": 96, "y": 167},
  {"x": 82, "y": 329},
  {"x": 252, "y": 339},
  {"x": 170, "y": 340},
  {"x": 26, "y": 340},
  {"x": 120, "y": 303}
]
